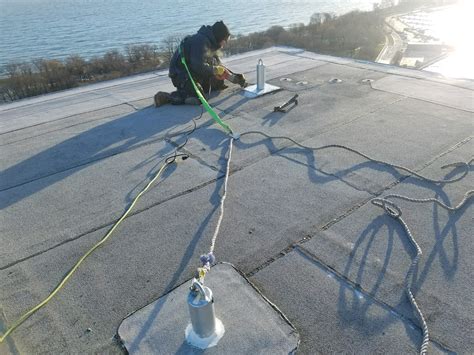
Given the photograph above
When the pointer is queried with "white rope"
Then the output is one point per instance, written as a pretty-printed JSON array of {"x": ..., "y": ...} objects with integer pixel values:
[
  {"x": 224, "y": 194},
  {"x": 395, "y": 211},
  {"x": 466, "y": 196},
  {"x": 408, "y": 286}
]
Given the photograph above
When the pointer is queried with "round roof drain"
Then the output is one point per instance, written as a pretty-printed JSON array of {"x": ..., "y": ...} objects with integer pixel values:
[
  {"x": 367, "y": 81},
  {"x": 335, "y": 81},
  {"x": 286, "y": 79}
]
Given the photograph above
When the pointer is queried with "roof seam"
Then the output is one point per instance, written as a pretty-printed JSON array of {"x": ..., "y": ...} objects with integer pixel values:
[
  {"x": 57, "y": 130},
  {"x": 63, "y": 118},
  {"x": 161, "y": 138},
  {"x": 313, "y": 258},
  {"x": 424, "y": 100},
  {"x": 108, "y": 224}
]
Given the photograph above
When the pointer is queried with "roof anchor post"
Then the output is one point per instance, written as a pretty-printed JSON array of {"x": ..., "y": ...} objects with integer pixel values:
[{"x": 205, "y": 330}]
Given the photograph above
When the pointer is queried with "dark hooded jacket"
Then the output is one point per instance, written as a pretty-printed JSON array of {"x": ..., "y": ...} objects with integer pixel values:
[{"x": 200, "y": 52}]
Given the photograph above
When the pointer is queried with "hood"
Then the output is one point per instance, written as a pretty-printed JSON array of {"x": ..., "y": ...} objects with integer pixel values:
[{"x": 207, "y": 32}]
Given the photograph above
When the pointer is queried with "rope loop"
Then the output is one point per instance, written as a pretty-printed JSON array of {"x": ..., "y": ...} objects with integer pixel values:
[
  {"x": 457, "y": 165},
  {"x": 389, "y": 207}
]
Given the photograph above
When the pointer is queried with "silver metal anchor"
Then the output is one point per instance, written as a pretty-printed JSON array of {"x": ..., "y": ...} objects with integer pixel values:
[
  {"x": 205, "y": 330},
  {"x": 260, "y": 75},
  {"x": 261, "y": 88}
]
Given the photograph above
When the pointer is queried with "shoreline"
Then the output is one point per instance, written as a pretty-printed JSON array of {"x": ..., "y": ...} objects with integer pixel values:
[{"x": 406, "y": 45}]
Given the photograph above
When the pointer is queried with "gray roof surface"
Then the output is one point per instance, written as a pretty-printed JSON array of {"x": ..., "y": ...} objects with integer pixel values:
[{"x": 299, "y": 224}]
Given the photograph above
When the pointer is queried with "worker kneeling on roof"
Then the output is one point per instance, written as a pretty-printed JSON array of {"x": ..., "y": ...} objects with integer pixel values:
[{"x": 201, "y": 52}]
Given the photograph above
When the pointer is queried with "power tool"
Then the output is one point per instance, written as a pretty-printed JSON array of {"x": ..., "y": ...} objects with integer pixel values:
[{"x": 234, "y": 78}]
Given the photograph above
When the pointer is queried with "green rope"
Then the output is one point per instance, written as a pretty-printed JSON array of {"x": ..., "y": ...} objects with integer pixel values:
[{"x": 204, "y": 102}]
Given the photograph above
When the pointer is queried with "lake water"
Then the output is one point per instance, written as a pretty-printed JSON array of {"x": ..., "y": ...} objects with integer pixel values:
[{"x": 57, "y": 28}]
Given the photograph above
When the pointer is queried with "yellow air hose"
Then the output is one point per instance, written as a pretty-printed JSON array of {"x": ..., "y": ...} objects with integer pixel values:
[{"x": 25, "y": 316}]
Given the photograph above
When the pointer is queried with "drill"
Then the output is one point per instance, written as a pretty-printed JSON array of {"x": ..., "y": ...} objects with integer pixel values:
[
  {"x": 238, "y": 79},
  {"x": 234, "y": 78}
]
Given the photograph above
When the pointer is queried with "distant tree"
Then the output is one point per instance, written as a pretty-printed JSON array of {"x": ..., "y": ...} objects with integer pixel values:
[
  {"x": 318, "y": 18},
  {"x": 275, "y": 32},
  {"x": 53, "y": 74},
  {"x": 96, "y": 67},
  {"x": 77, "y": 67},
  {"x": 142, "y": 53},
  {"x": 114, "y": 61},
  {"x": 22, "y": 81},
  {"x": 168, "y": 46}
]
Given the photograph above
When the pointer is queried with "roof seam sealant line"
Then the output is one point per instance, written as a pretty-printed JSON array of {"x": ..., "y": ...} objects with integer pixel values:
[
  {"x": 299, "y": 245},
  {"x": 137, "y": 211},
  {"x": 313, "y": 258},
  {"x": 158, "y": 139},
  {"x": 351, "y": 210},
  {"x": 322, "y": 227},
  {"x": 386, "y": 188},
  {"x": 108, "y": 224},
  {"x": 182, "y": 193},
  {"x": 268, "y": 262},
  {"x": 57, "y": 129},
  {"x": 66, "y": 117},
  {"x": 440, "y": 155},
  {"x": 164, "y": 138},
  {"x": 425, "y": 100},
  {"x": 199, "y": 160},
  {"x": 77, "y": 166},
  {"x": 329, "y": 129},
  {"x": 130, "y": 104}
]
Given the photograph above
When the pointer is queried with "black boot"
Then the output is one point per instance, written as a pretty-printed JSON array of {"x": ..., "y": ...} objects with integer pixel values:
[
  {"x": 161, "y": 98},
  {"x": 176, "y": 98}
]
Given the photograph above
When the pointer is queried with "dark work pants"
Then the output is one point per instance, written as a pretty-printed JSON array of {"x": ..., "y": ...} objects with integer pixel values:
[{"x": 185, "y": 88}]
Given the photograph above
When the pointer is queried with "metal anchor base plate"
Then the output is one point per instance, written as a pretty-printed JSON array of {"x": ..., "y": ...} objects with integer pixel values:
[
  {"x": 251, "y": 324},
  {"x": 203, "y": 343},
  {"x": 252, "y": 91}
]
